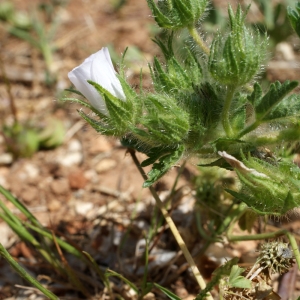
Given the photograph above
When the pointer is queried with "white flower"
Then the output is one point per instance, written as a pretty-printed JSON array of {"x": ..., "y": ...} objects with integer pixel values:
[{"x": 98, "y": 68}]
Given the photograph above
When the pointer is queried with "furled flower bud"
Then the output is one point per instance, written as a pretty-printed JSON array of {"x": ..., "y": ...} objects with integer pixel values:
[
  {"x": 176, "y": 14},
  {"x": 97, "y": 68},
  {"x": 268, "y": 186},
  {"x": 236, "y": 59}
]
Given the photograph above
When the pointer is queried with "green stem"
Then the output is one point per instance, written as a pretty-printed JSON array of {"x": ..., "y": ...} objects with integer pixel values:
[
  {"x": 294, "y": 247},
  {"x": 226, "y": 111},
  {"x": 197, "y": 38},
  {"x": 173, "y": 228}
]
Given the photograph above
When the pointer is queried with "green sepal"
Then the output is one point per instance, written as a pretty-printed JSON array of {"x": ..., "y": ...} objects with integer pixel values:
[
  {"x": 235, "y": 60},
  {"x": 163, "y": 166},
  {"x": 131, "y": 96},
  {"x": 83, "y": 103},
  {"x": 275, "y": 94},
  {"x": 204, "y": 106},
  {"x": 163, "y": 124},
  {"x": 176, "y": 14},
  {"x": 193, "y": 67},
  {"x": 101, "y": 127},
  {"x": 268, "y": 186},
  {"x": 161, "y": 19},
  {"x": 184, "y": 11},
  {"x": 166, "y": 46},
  {"x": 74, "y": 91},
  {"x": 261, "y": 208},
  {"x": 121, "y": 113},
  {"x": 162, "y": 80},
  {"x": 294, "y": 17},
  {"x": 172, "y": 79},
  {"x": 289, "y": 203}
]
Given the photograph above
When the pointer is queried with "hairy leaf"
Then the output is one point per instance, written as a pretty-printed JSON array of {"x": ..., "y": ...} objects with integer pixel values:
[{"x": 163, "y": 166}]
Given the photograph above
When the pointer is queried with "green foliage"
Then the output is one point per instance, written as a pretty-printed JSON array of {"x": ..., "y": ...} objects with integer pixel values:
[
  {"x": 268, "y": 187},
  {"x": 236, "y": 280},
  {"x": 294, "y": 17},
  {"x": 235, "y": 60},
  {"x": 43, "y": 241},
  {"x": 203, "y": 103},
  {"x": 263, "y": 105},
  {"x": 4, "y": 253},
  {"x": 176, "y": 78},
  {"x": 218, "y": 274},
  {"x": 176, "y": 14},
  {"x": 162, "y": 166},
  {"x": 163, "y": 123},
  {"x": 168, "y": 293},
  {"x": 273, "y": 106}
]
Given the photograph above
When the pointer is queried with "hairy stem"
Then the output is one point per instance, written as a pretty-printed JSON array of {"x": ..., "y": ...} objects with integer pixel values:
[
  {"x": 172, "y": 227},
  {"x": 197, "y": 38},
  {"x": 226, "y": 111}
]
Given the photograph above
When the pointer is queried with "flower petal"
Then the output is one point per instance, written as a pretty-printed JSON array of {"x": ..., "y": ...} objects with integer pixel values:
[
  {"x": 103, "y": 72},
  {"x": 98, "y": 68}
]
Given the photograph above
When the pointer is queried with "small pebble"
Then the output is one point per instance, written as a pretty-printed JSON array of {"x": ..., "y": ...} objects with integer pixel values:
[{"x": 105, "y": 165}]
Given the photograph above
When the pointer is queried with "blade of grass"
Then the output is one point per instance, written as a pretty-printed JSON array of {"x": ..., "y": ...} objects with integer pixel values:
[
  {"x": 99, "y": 272},
  {"x": 20, "y": 206},
  {"x": 21, "y": 231},
  {"x": 24, "y": 274},
  {"x": 109, "y": 273},
  {"x": 70, "y": 272}
]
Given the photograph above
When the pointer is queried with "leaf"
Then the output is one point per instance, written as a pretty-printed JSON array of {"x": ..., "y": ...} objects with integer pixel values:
[
  {"x": 167, "y": 292},
  {"x": 110, "y": 273},
  {"x": 163, "y": 166},
  {"x": 221, "y": 163},
  {"x": 294, "y": 17},
  {"x": 288, "y": 108},
  {"x": 238, "y": 281},
  {"x": 228, "y": 144},
  {"x": 276, "y": 93}
]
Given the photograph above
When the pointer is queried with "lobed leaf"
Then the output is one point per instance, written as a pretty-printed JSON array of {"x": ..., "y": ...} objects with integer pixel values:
[{"x": 163, "y": 166}]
